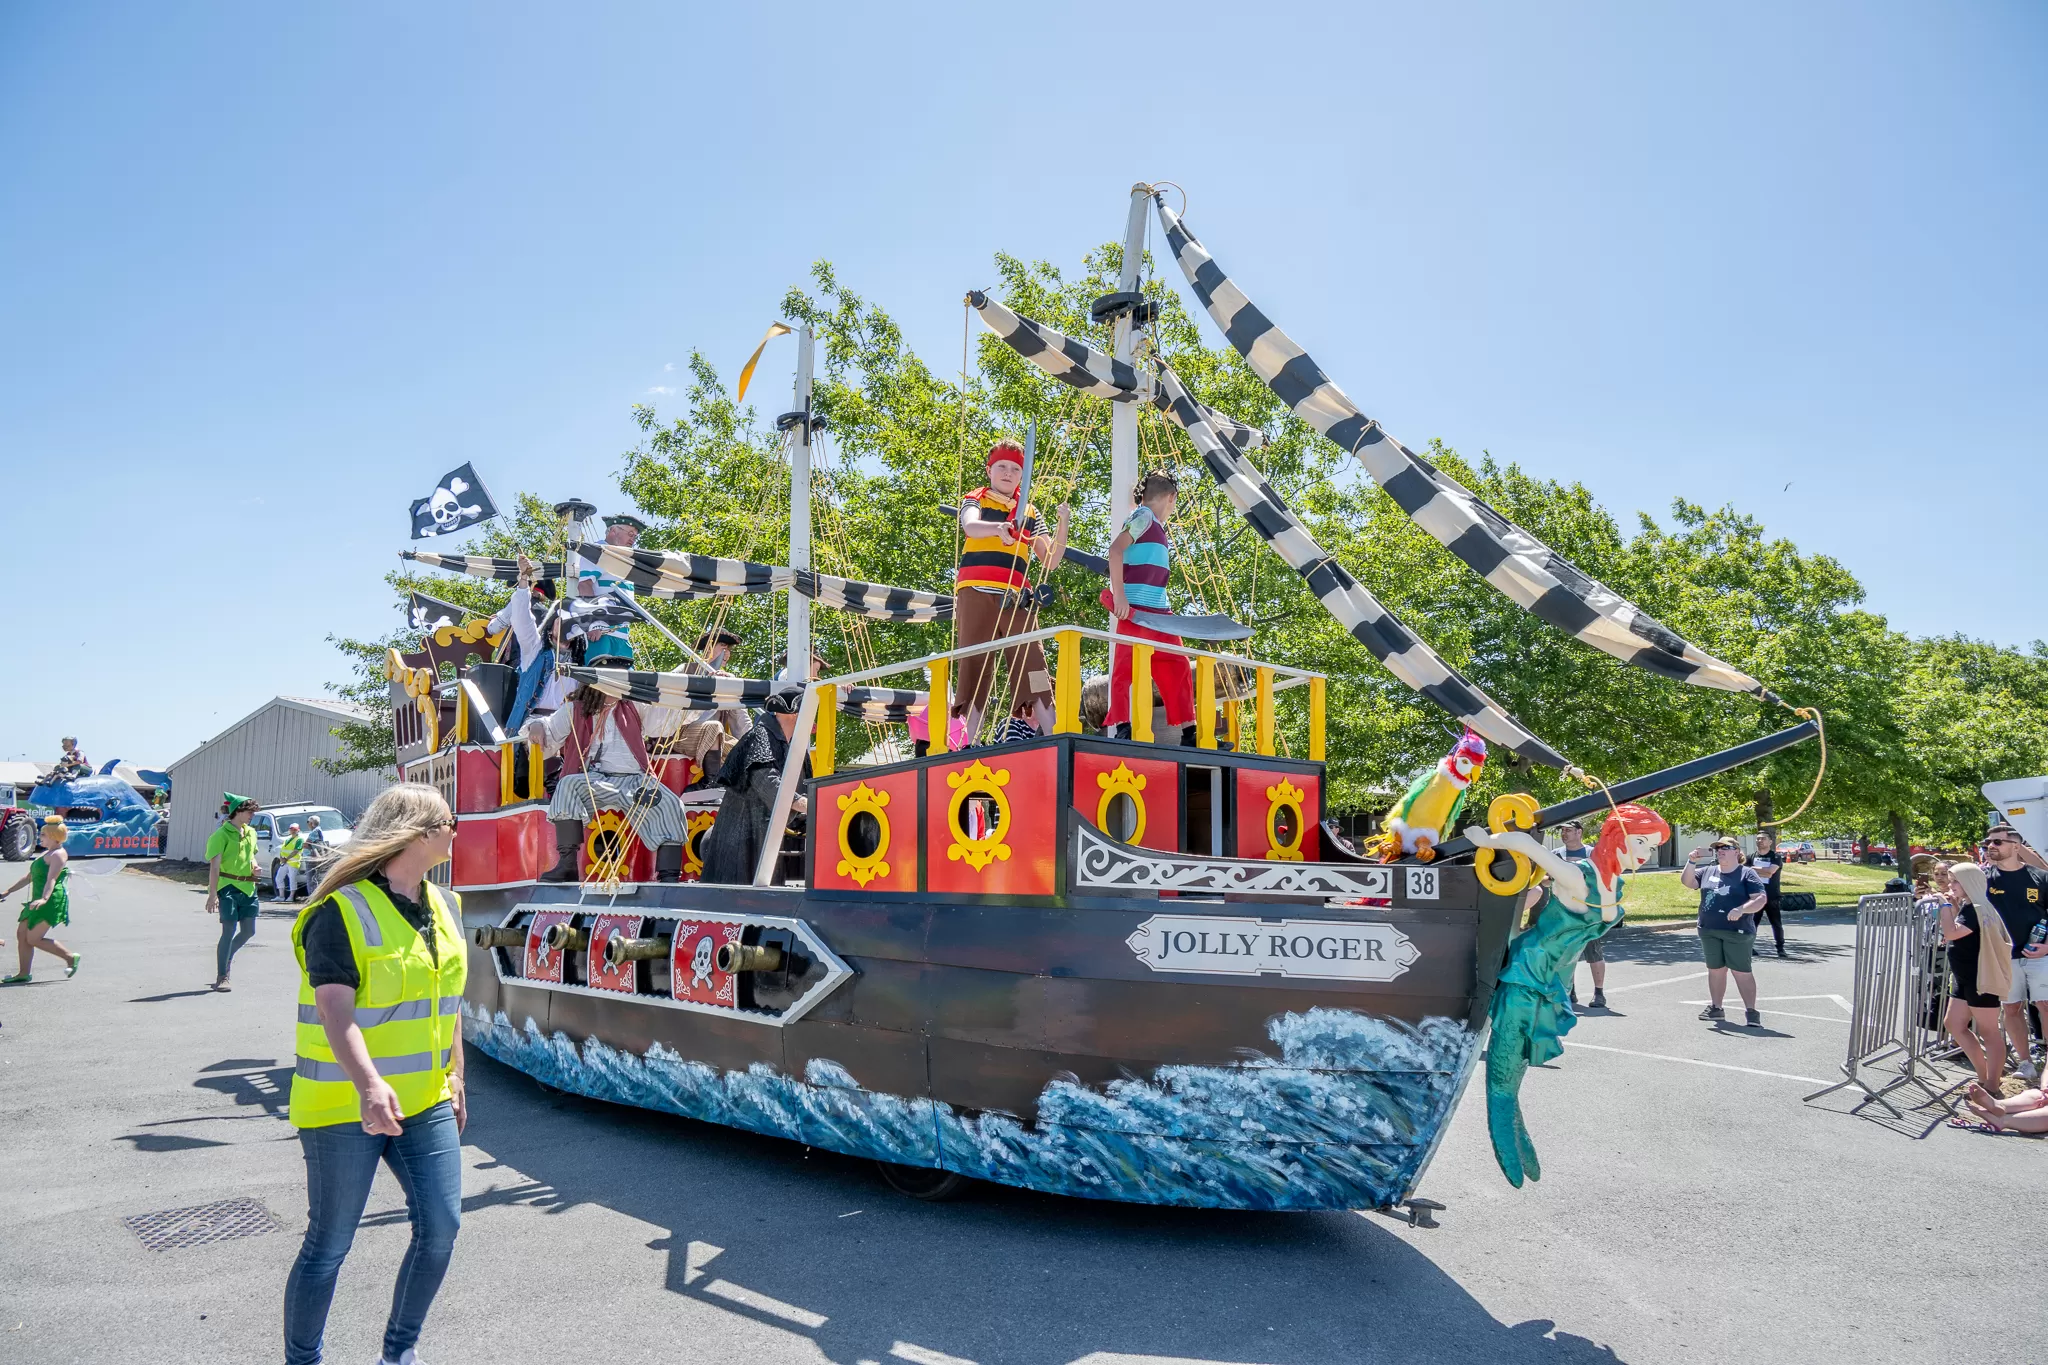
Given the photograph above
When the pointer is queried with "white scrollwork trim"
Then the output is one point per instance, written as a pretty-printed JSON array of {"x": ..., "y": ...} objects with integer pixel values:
[{"x": 1102, "y": 864}]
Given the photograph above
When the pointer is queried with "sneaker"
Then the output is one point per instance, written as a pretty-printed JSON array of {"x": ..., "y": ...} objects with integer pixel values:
[
  {"x": 2029, "y": 1072},
  {"x": 1753, "y": 1018},
  {"x": 222, "y": 985},
  {"x": 18, "y": 979},
  {"x": 72, "y": 970},
  {"x": 1713, "y": 1012},
  {"x": 1781, "y": 950},
  {"x": 408, "y": 1357},
  {"x": 1599, "y": 1000}
]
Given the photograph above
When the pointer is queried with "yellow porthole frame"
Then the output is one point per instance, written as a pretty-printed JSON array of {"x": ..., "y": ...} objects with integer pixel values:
[
  {"x": 1286, "y": 796},
  {"x": 603, "y": 870},
  {"x": 863, "y": 799},
  {"x": 1122, "y": 782},
  {"x": 978, "y": 779},
  {"x": 693, "y": 842}
]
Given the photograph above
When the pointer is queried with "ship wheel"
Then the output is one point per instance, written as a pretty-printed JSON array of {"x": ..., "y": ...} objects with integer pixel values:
[{"x": 922, "y": 1182}]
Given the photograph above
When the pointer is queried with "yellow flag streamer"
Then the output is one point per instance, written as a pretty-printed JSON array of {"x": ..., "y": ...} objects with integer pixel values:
[{"x": 747, "y": 370}]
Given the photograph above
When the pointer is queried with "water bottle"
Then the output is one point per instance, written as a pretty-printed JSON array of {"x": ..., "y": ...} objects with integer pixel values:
[{"x": 2037, "y": 934}]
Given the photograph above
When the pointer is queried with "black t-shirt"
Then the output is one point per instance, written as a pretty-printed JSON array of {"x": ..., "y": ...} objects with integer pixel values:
[
  {"x": 2021, "y": 899},
  {"x": 1776, "y": 861},
  {"x": 330, "y": 961}
]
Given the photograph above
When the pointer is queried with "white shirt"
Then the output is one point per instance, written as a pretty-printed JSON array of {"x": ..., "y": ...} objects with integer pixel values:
[{"x": 609, "y": 752}]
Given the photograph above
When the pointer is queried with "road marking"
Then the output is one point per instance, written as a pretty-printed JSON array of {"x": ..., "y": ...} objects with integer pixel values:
[
  {"x": 925, "y": 1355},
  {"x": 1789, "y": 1014},
  {"x": 1694, "y": 1061},
  {"x": 761, "y": 1303},
  {"x": 855, "y": 1214},
  {"x": 1644, "y": 985}
]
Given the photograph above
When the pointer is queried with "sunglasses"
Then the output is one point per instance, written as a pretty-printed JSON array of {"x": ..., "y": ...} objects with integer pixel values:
[
  {"x": 2001, "y": 843},
  {"x": 440, "y": 825}
]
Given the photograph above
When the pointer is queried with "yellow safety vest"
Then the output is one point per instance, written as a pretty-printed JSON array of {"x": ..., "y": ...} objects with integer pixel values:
[
  {"x": 290, "y": 849},
  {"x": 407, "y": 1006}
]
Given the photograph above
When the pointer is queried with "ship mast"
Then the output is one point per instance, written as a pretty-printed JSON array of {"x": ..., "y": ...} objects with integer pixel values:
[
  {"x": 1123, "y": 417},
  {"x": 797, "y": 658}
]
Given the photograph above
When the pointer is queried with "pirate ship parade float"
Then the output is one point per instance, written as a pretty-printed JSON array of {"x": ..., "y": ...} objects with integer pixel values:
[{"x": 1083, "y": 964}]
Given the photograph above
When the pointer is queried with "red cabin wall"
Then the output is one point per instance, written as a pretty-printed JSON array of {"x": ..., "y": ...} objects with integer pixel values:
[
  {"x": 900, "y": 815},
  {"x": 1253, "y": 805},
  {"x": 1032, "y": 837},
  {"x": 1161, "y": 796}
]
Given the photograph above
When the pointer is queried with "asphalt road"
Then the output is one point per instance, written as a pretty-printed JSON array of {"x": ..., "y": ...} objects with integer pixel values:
[{"x": 1691, "y": 1209}]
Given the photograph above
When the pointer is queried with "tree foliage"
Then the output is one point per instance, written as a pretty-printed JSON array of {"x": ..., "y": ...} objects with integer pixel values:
[{"x": 1912, "y": 725}]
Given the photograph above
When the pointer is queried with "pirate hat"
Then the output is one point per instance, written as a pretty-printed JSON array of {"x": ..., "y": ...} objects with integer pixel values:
[
  {"x": 719, "y": 636},
  {"x": 626, "y": 519}
]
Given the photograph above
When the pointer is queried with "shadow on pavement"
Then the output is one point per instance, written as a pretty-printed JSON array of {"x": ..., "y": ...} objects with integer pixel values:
[
  {"x": 812, "y": 1241},
  {"x": 257, "y": 1081},
  {"x": 170, "y": 995},
  {"x": 1669, "y": 947},
  {"x": 167, "y": 1142}
]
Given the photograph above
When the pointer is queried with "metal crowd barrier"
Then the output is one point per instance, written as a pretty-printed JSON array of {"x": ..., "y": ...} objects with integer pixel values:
[{"x": 1901, "y": 983}]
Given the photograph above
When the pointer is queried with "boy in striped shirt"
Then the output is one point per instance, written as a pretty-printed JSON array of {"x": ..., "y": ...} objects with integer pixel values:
[{"x": 1137, "y": 578}]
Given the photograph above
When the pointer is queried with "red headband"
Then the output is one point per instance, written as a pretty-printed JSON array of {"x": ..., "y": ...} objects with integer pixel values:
[{"x": 1005, "y": 450}]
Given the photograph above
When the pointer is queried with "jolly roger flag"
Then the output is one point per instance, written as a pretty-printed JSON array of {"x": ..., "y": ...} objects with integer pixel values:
[
  {"x": 458, "y": 502},
  {"x": 424, "y": 613}
]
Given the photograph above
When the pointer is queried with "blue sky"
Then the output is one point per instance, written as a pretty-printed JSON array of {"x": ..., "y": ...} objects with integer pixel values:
[{"x": 267, "y": 271}]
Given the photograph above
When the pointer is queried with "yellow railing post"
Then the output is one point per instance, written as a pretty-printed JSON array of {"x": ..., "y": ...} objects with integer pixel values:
[
  {"x": 827, "y": 743},
  {"x": 536, "y": 771},
  {"x": 1141, "y": 693},
  {"x": 1315, "y": 720},
  {"x": 1233, "y": 724},
  {"x": 1265, "y": 710},
  {"x": 1066, "y": 693},
  {"x": 1205, "y": 703},
  {"x": 508, "y": 761},
  {"x": 938, "y": 717},
  {"x": 461, "y": 713}
]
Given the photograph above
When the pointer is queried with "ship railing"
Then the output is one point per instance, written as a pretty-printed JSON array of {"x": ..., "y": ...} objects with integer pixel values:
[{"x": 818, "y": 715}]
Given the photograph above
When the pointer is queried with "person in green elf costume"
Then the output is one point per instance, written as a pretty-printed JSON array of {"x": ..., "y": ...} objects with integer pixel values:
[
  {"x": 49, "y": 903},
  {"x": 231, "y": 881}
]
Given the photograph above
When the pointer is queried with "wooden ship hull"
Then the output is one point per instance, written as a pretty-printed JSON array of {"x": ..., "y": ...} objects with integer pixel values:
[{"x": 975, "y": 978}]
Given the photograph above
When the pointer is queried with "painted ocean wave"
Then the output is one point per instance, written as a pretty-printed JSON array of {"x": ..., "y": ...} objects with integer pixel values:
[{"x": 1345, "y": 1117}]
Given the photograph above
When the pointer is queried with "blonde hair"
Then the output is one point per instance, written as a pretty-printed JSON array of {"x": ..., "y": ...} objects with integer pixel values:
[
  {"x": 54, "y": 824},
  {"x": 397, "y": 819}
]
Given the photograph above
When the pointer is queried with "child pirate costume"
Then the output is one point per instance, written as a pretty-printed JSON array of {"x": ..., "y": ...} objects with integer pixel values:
[{"x": 992, "y": 597}]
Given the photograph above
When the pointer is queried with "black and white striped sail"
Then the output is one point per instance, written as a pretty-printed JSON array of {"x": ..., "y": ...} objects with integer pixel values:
[
  {"x": 481, "y": 566},
  {"x": 1089, "y": 370},
  {"x": 1402, "y": 652},
  {"x": 1526, "y": 570},
  {"x": 1372, "y": 625},
  {"x": 677, "y": 574},
  {"x": 709, "y": 691}
]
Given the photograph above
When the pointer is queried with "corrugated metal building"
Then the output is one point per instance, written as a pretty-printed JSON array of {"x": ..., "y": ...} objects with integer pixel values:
[{"x": 268, "y": 754}]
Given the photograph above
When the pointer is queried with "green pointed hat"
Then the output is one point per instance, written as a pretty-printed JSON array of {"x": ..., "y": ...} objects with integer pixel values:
[{"x": 235, "y": 803}]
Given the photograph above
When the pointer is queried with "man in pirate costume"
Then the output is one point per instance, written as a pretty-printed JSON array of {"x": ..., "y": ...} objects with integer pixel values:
[
  {"x": 992, "y": 597},
  {"x": 750, "y": 778},
  {"x": 704, "y": 735},
  {"x": 608, "y": 642},
  {"x": 603, "y": 747}
]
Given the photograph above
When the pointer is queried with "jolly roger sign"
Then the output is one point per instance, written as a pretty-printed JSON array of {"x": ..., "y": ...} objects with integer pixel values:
[
  {"x": 458, "y": 502},
  {"x": 693, "y": 962}
]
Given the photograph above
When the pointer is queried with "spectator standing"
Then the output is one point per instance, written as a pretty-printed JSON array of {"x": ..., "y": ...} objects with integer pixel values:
[
  {"x": 231, "y": 882},
  {"x": 2016, "y": 885},
  {"x": 1593, "y": 955},
  {"x": 1980, "y": 965},
  {"x": 1767, "y": 864},
  {"x": 1730, "y": 896}
]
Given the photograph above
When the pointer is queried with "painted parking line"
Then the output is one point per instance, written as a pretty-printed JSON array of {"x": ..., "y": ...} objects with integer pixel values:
[
  {"x": 1661, "y": 981},
  {"x": 1694, "y": 1061}
]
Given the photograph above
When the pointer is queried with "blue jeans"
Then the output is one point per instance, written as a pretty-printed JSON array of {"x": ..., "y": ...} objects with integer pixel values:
[
  {"x": 341, "y": 1161},
  {"x": 530, "y": 678}
]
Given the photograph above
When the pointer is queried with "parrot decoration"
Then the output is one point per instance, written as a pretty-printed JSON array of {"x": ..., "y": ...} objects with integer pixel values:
[{"x": 1427, "y": 814}]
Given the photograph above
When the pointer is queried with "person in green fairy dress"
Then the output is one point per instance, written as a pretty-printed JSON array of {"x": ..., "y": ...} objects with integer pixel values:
[{"x": 49, "y": 903}]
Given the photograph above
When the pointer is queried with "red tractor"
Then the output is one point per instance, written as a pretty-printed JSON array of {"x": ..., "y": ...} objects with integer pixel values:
[{"x": 17, "y": 834}]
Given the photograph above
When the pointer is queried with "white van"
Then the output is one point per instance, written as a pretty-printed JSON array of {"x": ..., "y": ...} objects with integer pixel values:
[{"x": 273, "y": 826}]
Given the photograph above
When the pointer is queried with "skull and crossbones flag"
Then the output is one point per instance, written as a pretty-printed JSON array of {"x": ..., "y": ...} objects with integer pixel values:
[
  {"x": 458, "y": 502},
  {"x": 424, "y": 613}
]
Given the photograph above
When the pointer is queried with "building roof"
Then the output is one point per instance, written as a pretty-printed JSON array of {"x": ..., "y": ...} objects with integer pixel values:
[
  {"x": 14, "y": 772},
  {"x": 327, "y": 708}
]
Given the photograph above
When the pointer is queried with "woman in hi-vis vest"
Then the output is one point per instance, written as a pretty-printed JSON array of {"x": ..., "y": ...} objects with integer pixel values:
[{"x": 379, "y": 1077}]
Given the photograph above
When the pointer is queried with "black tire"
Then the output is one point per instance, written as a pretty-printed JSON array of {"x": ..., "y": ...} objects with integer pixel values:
[
  {"x": 922, "y": 1182},
  {"x": 1796, "y": 900},
  {"x": 18, "y": 838}
]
